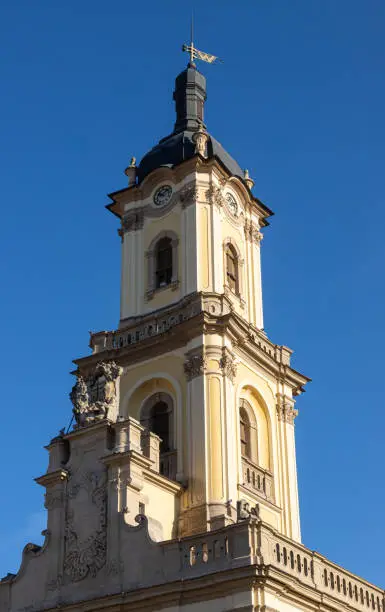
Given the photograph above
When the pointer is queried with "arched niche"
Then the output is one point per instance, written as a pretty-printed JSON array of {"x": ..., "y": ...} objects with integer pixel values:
[{"x": 254, "y": 406}]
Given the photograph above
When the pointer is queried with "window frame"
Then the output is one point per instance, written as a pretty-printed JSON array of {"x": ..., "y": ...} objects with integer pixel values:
[
  {"x": 232, "y": 254},
  {"x": 152, "y": 254},
  {"x": 253, "y": 443}
]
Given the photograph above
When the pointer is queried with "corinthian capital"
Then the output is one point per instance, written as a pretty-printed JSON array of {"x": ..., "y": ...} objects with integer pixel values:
[
  {"x": 194, "y": 366},
  {"x": 252, "y": 232},
  {"x": 189, "y": 195},
  {"x": 228, "y": 366},
  {"x": 132, "y": 221},
  {"x": 285, "y": 409},
  {"x": 215, "y": 196}
]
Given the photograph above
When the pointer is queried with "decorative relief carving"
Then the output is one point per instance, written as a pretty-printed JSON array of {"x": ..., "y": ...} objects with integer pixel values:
[
  {"x": 53, "y": 499},
  {"x": 55, "y": 584},
  {"x": 92, "y": 397},
  {"x": 245, "y": 511},
  {"x": 86, "y": 548},
  {"x": 200, "y": 138},
  {"x": 194, "y": 366},
  {"x": 252, "y": 232},
  {"x": 132, "y": 221},
  {"x": 285, "y": 409},
  {"x": 228, "y": 366},
  {"x": 189, "y": 195},
  {"x": 286, "y": 413},
  {"x": 115, "y": 567},
  {"x": 215, "y": 196}
]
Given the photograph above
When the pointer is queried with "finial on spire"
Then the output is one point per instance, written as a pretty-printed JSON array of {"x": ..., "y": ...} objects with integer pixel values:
[
  {"x": 130, "y": 172},
  {"x": 195, "y": 53},
  {"x": 248, "y": 180}
]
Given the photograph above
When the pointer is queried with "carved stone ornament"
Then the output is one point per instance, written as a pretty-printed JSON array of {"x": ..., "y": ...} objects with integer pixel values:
[
  {"x": 228, "y": 367},
  {"x": 189, "y": 195},
  {"x": 285, "y": 409},
  {"x": 132, "y": 221},
  {"x": 286, "y": 413},
  {"x": 194, "y": 366},
  {"x": 92, "y": 397},
  {"x": 200, "y": 139},
  {"x": 53, "y": 499},
  {"x": 85, "y": 546},
  {"x": 215, "y": 195},
  {"x": 252, "y": 232},
  {"x": 245, "y": 511},
  {"x": 115, "y": 567}
]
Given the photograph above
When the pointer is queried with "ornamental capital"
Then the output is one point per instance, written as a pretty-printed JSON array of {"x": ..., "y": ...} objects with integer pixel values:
[
  {"x": 194, "y": 366},
  {"x": 252, "y": 232},
  {"x": 189, "y": 195},
  {"x": 285, "y": 409},
  {"x": 215, "y": 196},
  {"x": 228, "y": 366},
  {"x": 132, "y": 221}
]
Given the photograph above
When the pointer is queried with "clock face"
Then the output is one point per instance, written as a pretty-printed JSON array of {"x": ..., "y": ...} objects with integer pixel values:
[
  {"x": 232, "y": 203},
  {"x": 163, "y": 195}
]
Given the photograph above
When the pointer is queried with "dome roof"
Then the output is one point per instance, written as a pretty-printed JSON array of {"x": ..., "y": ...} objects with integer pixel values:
[
  {"x": 189, "y": 96},
  {"x": 176, "y": 148}
]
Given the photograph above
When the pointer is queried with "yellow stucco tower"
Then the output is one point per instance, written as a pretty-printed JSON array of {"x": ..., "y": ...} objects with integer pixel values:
[
  {"x": 198, "y": 368},
  {"x": 176, "y": 489}
]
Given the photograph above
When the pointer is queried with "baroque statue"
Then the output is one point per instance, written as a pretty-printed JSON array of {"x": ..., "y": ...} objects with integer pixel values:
[{"x": 93, "y": 396}]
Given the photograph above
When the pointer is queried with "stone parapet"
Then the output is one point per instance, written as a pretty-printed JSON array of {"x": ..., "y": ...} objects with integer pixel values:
[
  {"x": 247, "y": 546},
  {"x": 189, "y": 316}
]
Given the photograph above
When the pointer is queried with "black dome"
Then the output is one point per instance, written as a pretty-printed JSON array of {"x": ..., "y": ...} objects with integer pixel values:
[
  {"x": 189, "y": 96},
  {"x": 176, "y": 148}
]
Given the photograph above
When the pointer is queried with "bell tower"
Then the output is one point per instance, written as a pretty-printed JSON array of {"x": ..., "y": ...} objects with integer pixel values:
[
  {"x": 197, "y": 367},
  {"x": 176, "y": 488}
]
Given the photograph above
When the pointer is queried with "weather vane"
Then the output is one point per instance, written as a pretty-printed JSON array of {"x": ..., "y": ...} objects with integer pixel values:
[{"x": 195, "y": 53}]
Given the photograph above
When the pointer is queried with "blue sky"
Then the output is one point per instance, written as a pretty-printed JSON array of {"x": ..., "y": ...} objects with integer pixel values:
[{"x": 299, "y": 100}]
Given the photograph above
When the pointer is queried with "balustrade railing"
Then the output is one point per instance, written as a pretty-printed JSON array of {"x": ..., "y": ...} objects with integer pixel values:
[
  {"x": 312, "y": 568},
  {"x": 257, "y": 480},
  {"x": 168, "y": 464},
  {"x": 253, "y": 543}
]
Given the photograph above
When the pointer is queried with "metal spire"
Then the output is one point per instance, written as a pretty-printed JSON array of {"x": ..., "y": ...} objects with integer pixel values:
[{"x": 194, "y": 52}]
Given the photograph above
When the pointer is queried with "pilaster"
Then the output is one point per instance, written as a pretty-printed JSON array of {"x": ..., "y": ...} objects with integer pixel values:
[{"x": 288, "y": 470}]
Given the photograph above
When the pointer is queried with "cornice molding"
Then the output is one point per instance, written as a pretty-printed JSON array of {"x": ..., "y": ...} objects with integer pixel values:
[{"x": 196, "y": 314}]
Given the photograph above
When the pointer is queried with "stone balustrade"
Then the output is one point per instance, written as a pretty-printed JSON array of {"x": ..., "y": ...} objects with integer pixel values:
[
  {"x": 312, "y": 568},
  {"x": 161, "y": 322},
  {"x": 252, "y": 542},
  {"x": 168, "y": 464},
  {"x": 257, "y": 480},
  {"x": 286, "y": 566}
]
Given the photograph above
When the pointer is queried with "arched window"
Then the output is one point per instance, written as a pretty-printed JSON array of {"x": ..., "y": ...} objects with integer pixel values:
[
  {"x": 248, "y": 432},
  {"x": 162, "y": 262},
  {"x": 163, "y": 257},
  {"x": 244, "y": 427},
  {"x": 157, "y": 415},
  {"x": 160, "y": 425},
  {"x": 232, "y": 269}
]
